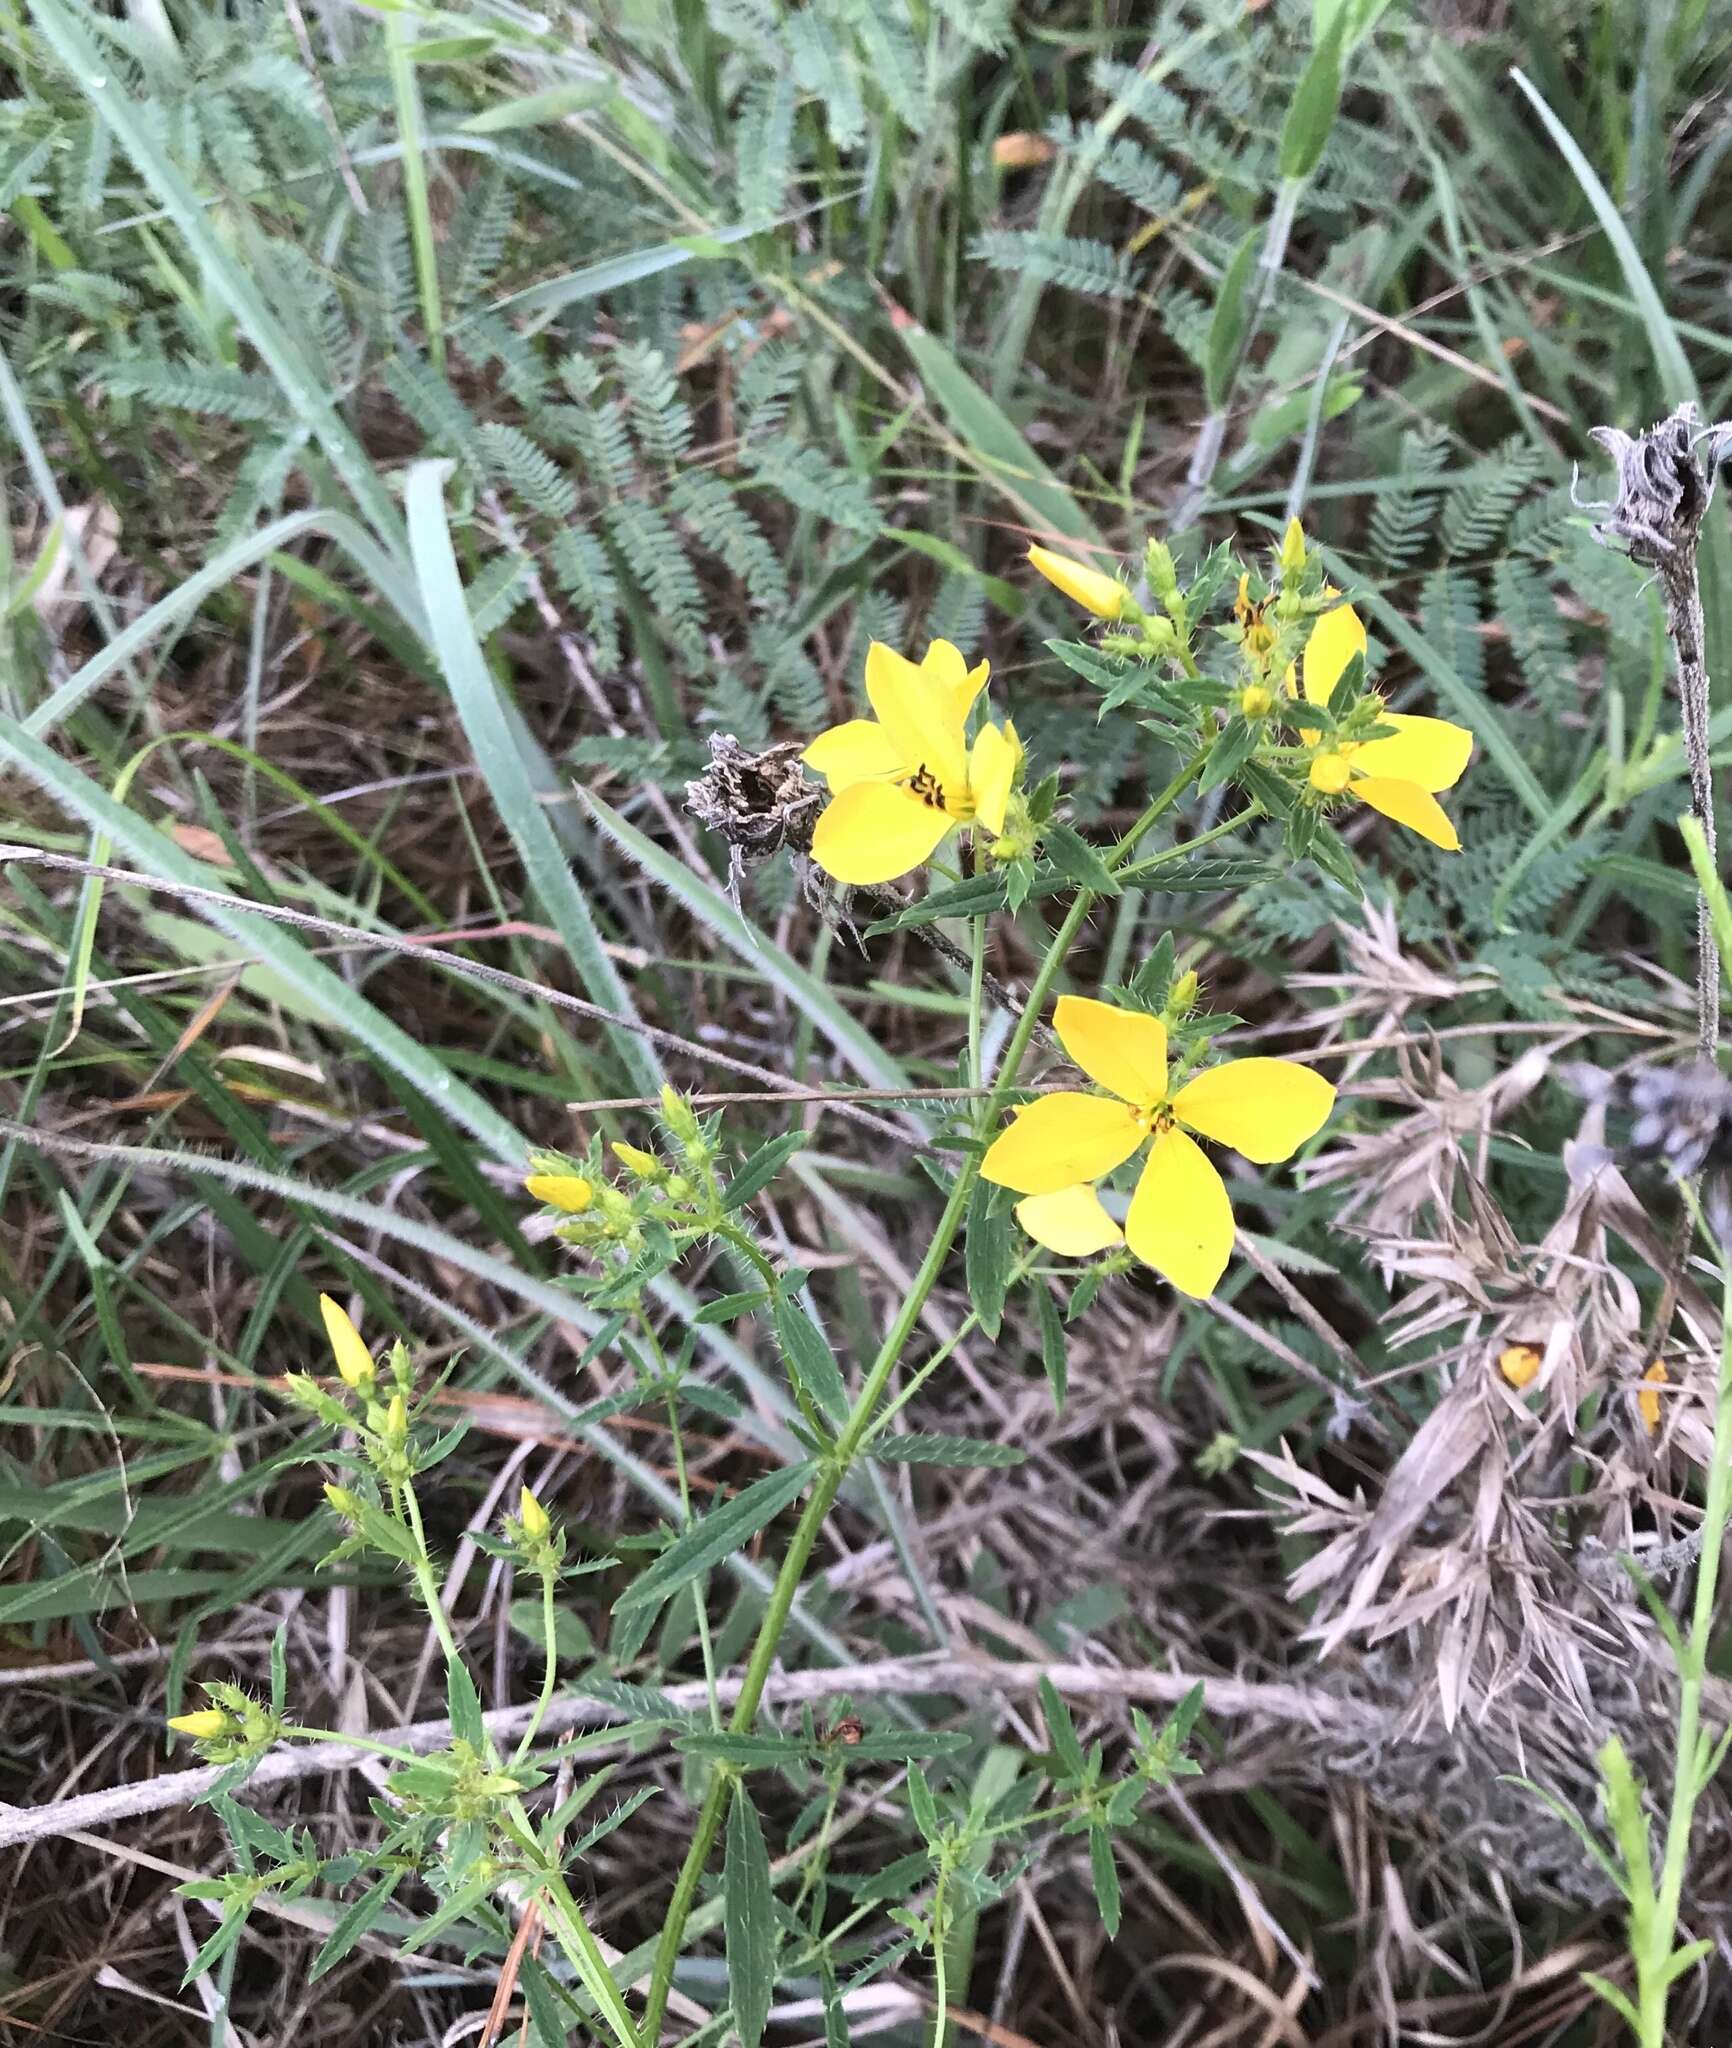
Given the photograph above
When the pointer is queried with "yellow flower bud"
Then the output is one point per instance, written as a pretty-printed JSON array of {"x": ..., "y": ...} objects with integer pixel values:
[
  {"x": 1330, "y": 774},
  {"x": 345, "y": 1503},
  {"x": 1648, "y": 1402},
  {"x": 1257, "y": 701},
  {"x": 533, "y": 1516},
  {"x": 1096, "y": 592},
  {"x": 203, "y": 1726},
  {"x": 1292, "y": 554},
  {"x": 354, "y": 1360},
  {"x": 1184, "y": 992},
  {"x": 644, "y": 1164},
  {"x": 567, "y": 1191},
  {"x": 1518, "y": 1363},
  {"x": 396, "y": 1419}
]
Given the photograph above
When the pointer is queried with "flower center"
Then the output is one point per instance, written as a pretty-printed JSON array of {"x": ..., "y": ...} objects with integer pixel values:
[{"x": 926, "y": 786}]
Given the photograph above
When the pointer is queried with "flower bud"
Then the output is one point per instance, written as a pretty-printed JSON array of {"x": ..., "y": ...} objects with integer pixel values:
[
  {"x": 1184, "y": 992},
  {"x": 1330, "y": 774},
  {"x": 206, "y": 1725},
  {"x": 1163, "y": 576},
  {"x": 533, "y": 1516},
  {"x": 1292, "y": 554},
  {"x": 1095, "y": 591},
  {"x": 344, "y": 1503},
  {"x": 636, "y": 1160},
  {"x": 396, "y": 1420},
  {"x": 567, "y": 1191},
  {"x": 354, "y": 1360},
  {"x": 1256, "y": 701}
]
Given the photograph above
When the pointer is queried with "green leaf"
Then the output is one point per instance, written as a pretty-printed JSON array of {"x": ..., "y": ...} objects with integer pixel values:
[
  {"x": 749, "y": 1752},
  {"x": 1231, "y": 750},
  {"x": 465, "y": 1705},
  {"x": 1052, "y": 1354},
  {"x": 718, "y": 1534},
  {"x": 494, "y": 744},
  {"x": 930, "y": 1448},
  {"x": 761, "y": 1167},
  {"x": 229, "y": 1931},
  {"x": 1062, "y": 1729},
  {"x": 537, "y": 108},
  {"x": 749, "y": 1919},
  {"x": 1311, "y": 112},
  {"x": 1227, "y": 327},
  {"x": 1106, "y": 1879},
  {"x": 1615, "y": 1999},
  {"x": 922, "y": 1805},
  {"x": 355, "y": 1922},
  {"x": 1077, "y": 860},
  {"x": 989, "y": 1252},
  {"x": 992, "y": 441},
  {"x": 809, "y": 1358}
]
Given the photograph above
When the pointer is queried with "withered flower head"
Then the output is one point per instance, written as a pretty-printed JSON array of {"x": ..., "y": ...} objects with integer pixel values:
[
  {"x": 1681, "y": 1116},
  {"x": 756, "y": 803},
  {"x": 1665, "y": 480}
]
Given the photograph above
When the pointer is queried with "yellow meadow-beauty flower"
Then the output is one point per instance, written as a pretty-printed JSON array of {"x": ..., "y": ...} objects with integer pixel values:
[
  {"x": 1399, "y": 775},
  {"x": 1180, "y": 1220},
  {"x": 905, "y": 777}
]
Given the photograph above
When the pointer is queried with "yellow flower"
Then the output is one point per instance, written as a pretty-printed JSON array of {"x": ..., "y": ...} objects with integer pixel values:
[
  {"x": 902, "y": 779},
  {"x": 1399, "y": 775},
  {"x": 1093, "y": 589},
  {"x": 1649, "y": 1402},
  {"x": 204, "y": 1726},
  {"x": 1518, "y": 1363},
  {"x": 1180, "y": 1219},
  {"x": 567, "y": 1191},
  {"x": 354, "y": 1360}
]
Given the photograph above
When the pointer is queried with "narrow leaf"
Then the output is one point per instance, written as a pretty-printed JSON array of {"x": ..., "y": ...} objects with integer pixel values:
[
  {"x": 929, "y": 1448},
  {"x": 749, "y": 1918},
  {"x": 720, "y": 1533},
  {"x": 810, "y": 1359}
]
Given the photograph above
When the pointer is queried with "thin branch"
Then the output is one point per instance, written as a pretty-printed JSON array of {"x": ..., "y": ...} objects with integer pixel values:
[{"x": 964, "y": 1677}]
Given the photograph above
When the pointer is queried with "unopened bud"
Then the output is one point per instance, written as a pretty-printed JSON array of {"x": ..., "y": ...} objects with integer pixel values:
[
  {"x": 567, "y": 1191},
  {"x": 1184, "y": 992},
  {"x": 1330, "y": 774},
  {"x": 344, "y": 1503},
  {"x": 354, "y": 1360},
  {"x": 1093, "y": 589},
  {"x": 1292, "y": 552},
  {"x": 533, "y": 1516},
  {"x": 1256, "y": 701},
  {"x": 636, "y": 1160},
  {"x": 203, "y": 1726}
]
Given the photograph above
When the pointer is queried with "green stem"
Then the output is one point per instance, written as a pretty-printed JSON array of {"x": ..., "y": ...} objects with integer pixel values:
[
  {"x": 854, "y": 1432},
  {"x": 394, "y": 1751},
  {"x": 1659, "y": 1936},
  {"x": 549, "y": 1670},
  {"x": 407, "y": 95},
  {"x": 428, "y": 1585}
]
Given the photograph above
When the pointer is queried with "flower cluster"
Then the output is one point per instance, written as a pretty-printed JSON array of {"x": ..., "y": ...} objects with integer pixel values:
[
  {"x": 373, "y": 1404},
  {"x": 233, "y": 1726},
  {"x": 1180, "y": 1220}
]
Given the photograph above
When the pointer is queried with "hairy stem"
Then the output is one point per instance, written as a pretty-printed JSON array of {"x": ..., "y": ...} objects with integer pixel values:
[
  {"x": 855, "y": 1431},
  {"x": 1684, "y": 622}
]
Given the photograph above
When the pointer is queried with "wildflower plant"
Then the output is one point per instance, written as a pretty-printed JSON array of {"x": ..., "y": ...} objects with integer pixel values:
[{"x": 1251, "y": 678}]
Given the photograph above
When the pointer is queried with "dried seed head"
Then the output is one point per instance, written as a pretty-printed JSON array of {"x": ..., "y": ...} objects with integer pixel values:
[
  {"x": 756, "y": 803},
  {"x": 1665, "y": 480},
  {"x": 1681, "y": 1116}
]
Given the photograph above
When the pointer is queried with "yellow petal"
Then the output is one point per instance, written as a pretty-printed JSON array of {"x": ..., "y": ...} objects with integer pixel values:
[
  {"x": 875, "y": 831},
  {"x": 992, "y": 766},
  {"x": 959, "y": 684},
  {"x": 354, "y": 1360},
  {"x": 1335, "y": 639},
  {"x": 1096, "y": 592},
  {"x": 1428, "y": 751},
  {"x": 924, "y": 726},
  {"x": 567, "y": 1191},
  {"x": 1411, "y": 806},
  {"x": 860, "y": 751},
  {"x": 1124, "y": 1050},
  {"x": 1071, "y": 1222},
  {"x": 1058, "y": 1140},
  {"x": 1519, "y": 1362},
  {"x": 1180, "y": 1220},
  {"x": 1263, "y": 1108}
]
